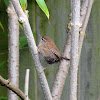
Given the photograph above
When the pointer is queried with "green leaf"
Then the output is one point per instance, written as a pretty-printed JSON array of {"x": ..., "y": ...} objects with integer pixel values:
[
  {"x": 22, "y": 42},
  {"x": 23, "y": 4},
  {"x": 1, "y": 65},
  {"x": 20, "y": 25},
  {"x": 3, "y": 98},
  {"x": 1, "y": 26},
  {"x": 43, "y": 6},
  {"x": 6, "y": 2}
]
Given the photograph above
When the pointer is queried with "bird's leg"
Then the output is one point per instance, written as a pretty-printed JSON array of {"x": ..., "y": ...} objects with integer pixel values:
[{"x": 44, "y": 68}]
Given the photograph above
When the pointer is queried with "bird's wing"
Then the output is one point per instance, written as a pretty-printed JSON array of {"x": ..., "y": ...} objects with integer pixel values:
[{"x": 55, "y": 53}]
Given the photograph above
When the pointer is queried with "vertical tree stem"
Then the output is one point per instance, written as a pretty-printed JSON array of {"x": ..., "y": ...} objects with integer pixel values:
[
  {"x": 13, "y": 47},
  {"x": 27, "y": 83},
  {"x": 74, "y": 48},
  {"x": 85, "y": 13},
  {"x": 33, "y": 48}
]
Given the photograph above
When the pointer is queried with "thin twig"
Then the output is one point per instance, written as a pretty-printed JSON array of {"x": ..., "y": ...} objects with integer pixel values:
[
  {"x": 85, "y": 13},
  {"x": 84, "y": 21},
  {"x": 27, "y": 83},
  {"x": 12, "y": 87}
]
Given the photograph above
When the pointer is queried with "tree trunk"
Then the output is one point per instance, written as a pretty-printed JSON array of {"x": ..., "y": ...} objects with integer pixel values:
[
  {"x": 74, "y": 48},
  {"x": 13, "y": 47}
]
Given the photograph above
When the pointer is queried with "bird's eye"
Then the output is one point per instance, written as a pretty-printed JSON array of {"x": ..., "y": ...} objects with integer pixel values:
[{"x": 43, "y": 39}]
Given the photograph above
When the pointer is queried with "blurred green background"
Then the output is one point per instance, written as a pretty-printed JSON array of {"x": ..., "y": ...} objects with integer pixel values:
[{"x": 55, "y": 28}]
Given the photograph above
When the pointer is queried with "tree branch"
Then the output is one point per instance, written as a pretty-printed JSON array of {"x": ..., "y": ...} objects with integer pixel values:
[
  {"x": 59, "y": 81},
  {"x": 13, "y": 47},
  {"x": 62, "y": 71},
  {"x": 74, "y": 49},
  {"x": 85, "y": 13},
  {"x": 33, "y": 48},
  {"x": 84, "y": 21},
  {"x": 27, "y": 83},
  {"x": 63, "y": 66},
  {"x": 12, "y": 87}
]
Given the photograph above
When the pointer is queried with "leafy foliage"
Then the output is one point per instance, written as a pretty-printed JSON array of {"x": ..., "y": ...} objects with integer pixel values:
[
  {"x": 23, "y": 4},
  {"x": 6, "y": 2},
  {"x": 1, "y": 65},
  {"x": 43, "y": 6},
  {"x": 1, "y": 26},
  {"x": 22, "y": 41},
  {"x": 3, "y": 98}
]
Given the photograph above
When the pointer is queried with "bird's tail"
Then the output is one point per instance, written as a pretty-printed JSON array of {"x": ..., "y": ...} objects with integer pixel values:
[{"x": 65, "y": 58}]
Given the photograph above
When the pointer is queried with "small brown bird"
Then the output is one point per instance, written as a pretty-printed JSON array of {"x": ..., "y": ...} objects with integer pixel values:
[{"x": 49, "y": 51}]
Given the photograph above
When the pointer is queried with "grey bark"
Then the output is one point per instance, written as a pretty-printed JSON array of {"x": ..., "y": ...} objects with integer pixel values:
[
  {"x": 87, "y": 6},
  {"x": 12, "y": 87},
  {"x": 27, "y": 83},
  {"x": 59, "y": 81},
  {"x": 13, "y": 47},
  {"x": 74, "y": 49},
  {"x": 33, "y": 48},
  {"x": 85, "y": 13},
  {"x": 62, "y": 72}
]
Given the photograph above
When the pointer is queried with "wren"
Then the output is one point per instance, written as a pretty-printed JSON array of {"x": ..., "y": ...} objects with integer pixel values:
[{"x": 49, "y": 51}]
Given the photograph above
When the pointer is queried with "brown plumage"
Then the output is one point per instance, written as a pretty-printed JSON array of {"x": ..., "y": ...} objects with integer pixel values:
[{"x": 49, "y": 51}]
